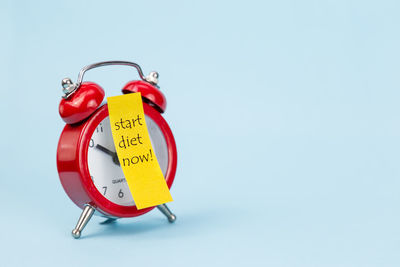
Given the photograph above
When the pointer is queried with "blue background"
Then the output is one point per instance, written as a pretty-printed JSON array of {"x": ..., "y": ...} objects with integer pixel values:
[{"x": 285, "y": 114}]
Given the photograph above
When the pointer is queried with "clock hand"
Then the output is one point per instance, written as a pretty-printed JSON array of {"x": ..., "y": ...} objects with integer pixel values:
[
  {"x": 109, "y": 152},
  {"x": 106, "y": 150}
]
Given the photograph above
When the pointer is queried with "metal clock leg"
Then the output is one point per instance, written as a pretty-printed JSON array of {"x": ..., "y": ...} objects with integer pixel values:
[
  {"x": 83, "y": 220},
  {"x": 165, "y": 210}
]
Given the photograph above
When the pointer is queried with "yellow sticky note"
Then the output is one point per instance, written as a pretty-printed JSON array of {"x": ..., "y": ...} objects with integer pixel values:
[{"x": 135, "y": 152}]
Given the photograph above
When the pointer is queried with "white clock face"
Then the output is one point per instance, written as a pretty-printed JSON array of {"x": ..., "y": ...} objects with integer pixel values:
[{"x": 104, "y": 167}]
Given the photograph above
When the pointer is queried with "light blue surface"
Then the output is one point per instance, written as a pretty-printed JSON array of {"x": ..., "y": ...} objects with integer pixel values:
[{"x": 285, "y": 113}]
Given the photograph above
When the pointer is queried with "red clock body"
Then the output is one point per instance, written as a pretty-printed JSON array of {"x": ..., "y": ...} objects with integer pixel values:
[{"x": 73, "y": 169}]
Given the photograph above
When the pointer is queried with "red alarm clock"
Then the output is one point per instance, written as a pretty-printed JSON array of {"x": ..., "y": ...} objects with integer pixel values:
[{"x": 87, "y": 162}]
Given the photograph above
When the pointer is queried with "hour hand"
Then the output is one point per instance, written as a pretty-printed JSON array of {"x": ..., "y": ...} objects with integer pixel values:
[{"x": 109, "y": 152}]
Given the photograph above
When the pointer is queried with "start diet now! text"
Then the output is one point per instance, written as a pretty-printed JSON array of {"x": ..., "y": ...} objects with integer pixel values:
[{"x": 126, "y": 141}]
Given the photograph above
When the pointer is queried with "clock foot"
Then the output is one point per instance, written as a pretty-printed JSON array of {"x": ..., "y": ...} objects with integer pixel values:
[
  {"x": 83, "y": 220},
  {"x": 165, "y": 210}
]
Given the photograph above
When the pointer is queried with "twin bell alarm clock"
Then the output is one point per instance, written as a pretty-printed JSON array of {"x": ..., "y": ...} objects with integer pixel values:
[{"x": 87, "y": 162}]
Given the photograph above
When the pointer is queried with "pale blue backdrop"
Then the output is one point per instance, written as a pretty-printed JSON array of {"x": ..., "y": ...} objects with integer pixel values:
[{"x": 285, "y": 114}]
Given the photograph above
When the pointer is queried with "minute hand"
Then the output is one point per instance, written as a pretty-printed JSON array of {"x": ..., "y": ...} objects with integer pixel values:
[{"x": 109, "y": 152}]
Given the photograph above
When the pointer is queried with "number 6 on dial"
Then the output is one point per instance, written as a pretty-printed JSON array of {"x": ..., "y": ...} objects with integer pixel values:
[{"x": 87, "y": 163}]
